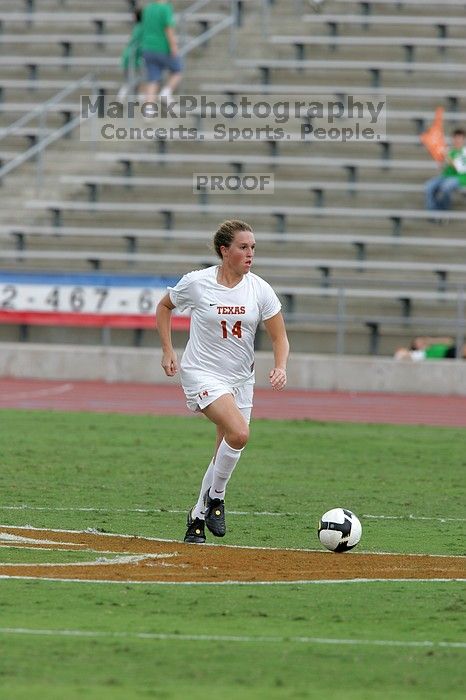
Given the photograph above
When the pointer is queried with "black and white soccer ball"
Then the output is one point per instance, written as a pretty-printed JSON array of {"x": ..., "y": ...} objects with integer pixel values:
[{"x": 339, "y": 530}]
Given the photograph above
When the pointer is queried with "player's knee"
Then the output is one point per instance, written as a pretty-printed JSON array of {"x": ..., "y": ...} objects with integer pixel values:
[{"x": 238, "y": 438}]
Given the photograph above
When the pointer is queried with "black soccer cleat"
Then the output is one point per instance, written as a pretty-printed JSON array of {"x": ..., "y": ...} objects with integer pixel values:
[
  {"x": 214, "y": 513},
  {"x": 196, "y": 530}
]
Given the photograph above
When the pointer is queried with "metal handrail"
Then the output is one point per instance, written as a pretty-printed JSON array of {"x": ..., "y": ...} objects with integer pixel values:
[
  {"x": 39, "y": 111},
  {"x": 7, "y": 131},
  {"x": 229, "y": 21}
]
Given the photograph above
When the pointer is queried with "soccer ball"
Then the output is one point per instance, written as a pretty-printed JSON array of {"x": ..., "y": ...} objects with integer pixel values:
[{"x": 339, "y": 530}]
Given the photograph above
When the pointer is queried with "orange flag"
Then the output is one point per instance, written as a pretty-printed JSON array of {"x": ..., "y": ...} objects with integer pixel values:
[{"x": 434, "y": 138}]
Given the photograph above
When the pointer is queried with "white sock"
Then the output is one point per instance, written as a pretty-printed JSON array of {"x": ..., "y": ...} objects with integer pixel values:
[
  {"x": 225, "y": 462},
  {"x": 166, "y": 92},
  {"x": 198, "y": 510}
]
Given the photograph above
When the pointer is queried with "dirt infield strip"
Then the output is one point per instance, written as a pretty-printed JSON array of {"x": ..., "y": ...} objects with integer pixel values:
[{"x": 150, "y": 560}]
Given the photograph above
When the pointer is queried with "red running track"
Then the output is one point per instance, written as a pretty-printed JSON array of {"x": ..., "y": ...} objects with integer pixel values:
[{"x": 360, "y": 407}]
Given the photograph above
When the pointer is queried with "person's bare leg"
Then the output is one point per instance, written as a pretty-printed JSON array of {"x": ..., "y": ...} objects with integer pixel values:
[
  {"x": 171, "y": 84},
  {"x": 151, "y": 91},
  {"x": 228, "y": 418}
]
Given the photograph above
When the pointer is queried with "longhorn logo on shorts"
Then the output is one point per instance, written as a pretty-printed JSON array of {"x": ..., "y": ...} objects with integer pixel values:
[{"x": 204, "y": 394}]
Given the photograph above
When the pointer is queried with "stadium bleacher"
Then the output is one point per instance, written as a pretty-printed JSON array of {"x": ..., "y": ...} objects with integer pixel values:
[{"x": 349, "y": 217}]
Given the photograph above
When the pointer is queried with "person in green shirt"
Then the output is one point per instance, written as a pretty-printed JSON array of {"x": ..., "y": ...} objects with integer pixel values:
[
  {"x": 160, "y": 49},
  {"x": 438, "y": 190},
  {"x": 430, "y": 348},
  {"x": 131, "y": 59}
]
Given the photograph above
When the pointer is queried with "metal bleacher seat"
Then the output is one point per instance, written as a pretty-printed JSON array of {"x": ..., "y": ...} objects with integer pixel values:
[
  {"x": 442, "y": 23},
  {"x": 367, "y": 6},
  {"x": 318, "y": 188},
  {"x": 238, "y": 161},
  {"x": 37, "y": 86},
  {"x": 279, "y": 212},
  {"x": 452, "y": 96},
  {"x": 34, "y": 63},
  {"x": 409, "y": 44},
  {"x": 99, "y": 19},
  {"x": 176, "y": 261},
  {"x": 375, "y": 67},
  {"x": 132, "y": 234},
  {"x": 385, "y": 143}
]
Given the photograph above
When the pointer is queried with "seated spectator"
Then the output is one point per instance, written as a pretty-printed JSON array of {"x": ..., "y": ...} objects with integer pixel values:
[
  {"x": 438, "y": 190},
  {"x": 429, "y": 348}
]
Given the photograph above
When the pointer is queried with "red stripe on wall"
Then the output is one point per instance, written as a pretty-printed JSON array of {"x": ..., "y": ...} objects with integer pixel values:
[{"x": 46, "y": 318}]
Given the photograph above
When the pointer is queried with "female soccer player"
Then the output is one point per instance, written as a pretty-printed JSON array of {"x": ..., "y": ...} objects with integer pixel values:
[{"x": 227, "y": 303}]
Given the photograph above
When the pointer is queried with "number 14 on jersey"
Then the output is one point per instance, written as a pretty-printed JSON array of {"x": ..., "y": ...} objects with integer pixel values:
[{"x": 236, "y": 329}]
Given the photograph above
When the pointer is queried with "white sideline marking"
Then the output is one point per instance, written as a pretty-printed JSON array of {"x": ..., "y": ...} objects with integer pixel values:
[
  {"x": 16, "y": 539},
  {"x": 264, "y": 513},
  {"x": 163, "y": 637},
  {"x": 86, "y": 550},
  {"x": 126, "y": 559},
  {"x": 440, "y": 519},
  {"x": 236, "y": 583},
  {"x": 230, "y": 546},
  {"x": 36, "y": 393}
]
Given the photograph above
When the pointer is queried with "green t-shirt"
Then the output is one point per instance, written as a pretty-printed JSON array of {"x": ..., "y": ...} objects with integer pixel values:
[
  {"x": 131, "y": 55},
  {"x": 450, "y": 171},
  {"x": 156, "y": 17},
  {"x": 436, "y": 351}
]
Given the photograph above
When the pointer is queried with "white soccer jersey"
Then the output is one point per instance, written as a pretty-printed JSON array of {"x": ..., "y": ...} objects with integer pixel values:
[{"x": 223, "y": 325}]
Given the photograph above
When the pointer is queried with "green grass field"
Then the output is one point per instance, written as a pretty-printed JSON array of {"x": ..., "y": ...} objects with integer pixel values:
[{"x": 138, "y": 475}]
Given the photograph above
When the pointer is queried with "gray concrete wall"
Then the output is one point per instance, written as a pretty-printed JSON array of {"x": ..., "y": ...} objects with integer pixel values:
[{"x": 322, "y": 372}]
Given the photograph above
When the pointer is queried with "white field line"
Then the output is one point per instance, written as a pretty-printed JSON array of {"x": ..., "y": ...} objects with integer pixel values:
[
  {"x": 16, "y": 539},
  {"x": 37, "y": 393},
  {"x": 230, "y": 546},
  {"x": 164, "y": 637},
  {"x": 86, "y": 550},
  {"x": 236, "y": 583},
  {"x": 101, "y": 561},
  {"x": 85, "y": 509}
]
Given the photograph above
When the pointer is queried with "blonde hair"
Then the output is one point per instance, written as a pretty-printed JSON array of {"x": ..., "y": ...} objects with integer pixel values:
[{"x": 226, "y": 233}]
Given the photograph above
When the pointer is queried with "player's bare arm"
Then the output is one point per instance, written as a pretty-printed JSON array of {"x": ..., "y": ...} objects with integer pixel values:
[
  {"x": 163, "y": 315},
  {"x": 276, "y": 331}
]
